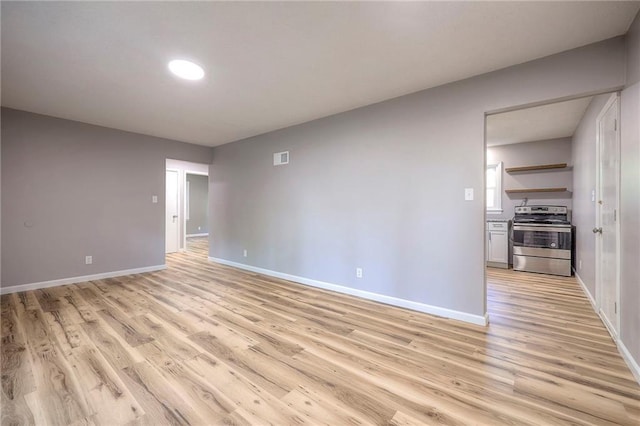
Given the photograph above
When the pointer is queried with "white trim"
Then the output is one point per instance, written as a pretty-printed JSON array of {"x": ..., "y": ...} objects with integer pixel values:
[
  {"x": 191, "y": 172},
  {"x": 81, "y": 279},
  {"x": 626, "y": 355},
  {"x": 607, "y": 324},
  {"x": 624, "y": 352},
  {"x": 586, "y": 291},
  {"x": 205, "y": 234},
  {"x": 403, "y": 303},
  {"x": 187, "y": 188}
]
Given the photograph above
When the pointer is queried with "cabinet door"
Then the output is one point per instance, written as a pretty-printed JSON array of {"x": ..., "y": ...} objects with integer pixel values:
[
  {"x": 498, "y": 247},
  {"x": 487, "y": 252}
]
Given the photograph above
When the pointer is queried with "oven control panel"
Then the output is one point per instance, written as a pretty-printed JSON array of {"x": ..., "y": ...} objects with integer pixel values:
[{"x": 541, "y": 210}]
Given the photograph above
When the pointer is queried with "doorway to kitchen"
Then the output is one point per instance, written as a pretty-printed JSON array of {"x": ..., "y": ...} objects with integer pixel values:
[
  {"x": 529, "y": 187},
  {"x": 552, "y": 178}
]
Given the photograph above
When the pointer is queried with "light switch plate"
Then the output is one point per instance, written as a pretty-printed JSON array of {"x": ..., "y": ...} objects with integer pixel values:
[
  {"x": 468, "y": 194},
  {"x": 154, "y": 199}
]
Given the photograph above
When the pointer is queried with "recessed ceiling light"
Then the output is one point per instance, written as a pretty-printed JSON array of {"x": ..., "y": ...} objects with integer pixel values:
[{"x": 185, "y": 69}]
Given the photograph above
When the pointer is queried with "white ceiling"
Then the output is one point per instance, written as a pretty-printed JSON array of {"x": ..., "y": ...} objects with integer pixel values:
[
  {"x": 269, "y": 65},
  {"x": 551, "y": 121}
]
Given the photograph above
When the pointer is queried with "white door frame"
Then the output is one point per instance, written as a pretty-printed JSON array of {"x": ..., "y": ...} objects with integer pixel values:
[
  {"x": 169, "y": 169},
  {"x": 614, "y": 98},
  {"x": 185, "y": 196}
]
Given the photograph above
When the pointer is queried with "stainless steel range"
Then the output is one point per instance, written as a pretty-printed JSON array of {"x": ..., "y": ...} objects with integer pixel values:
[{"x": 542, "y": 240}]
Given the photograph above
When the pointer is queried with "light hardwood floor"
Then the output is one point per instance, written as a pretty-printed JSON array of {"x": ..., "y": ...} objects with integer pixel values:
[{"x": 201, "y": 343}]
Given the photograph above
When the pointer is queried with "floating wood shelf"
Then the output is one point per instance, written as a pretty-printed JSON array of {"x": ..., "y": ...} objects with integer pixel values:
[
  {"x": 516, "y": 191},
  {"x": 535, "y": 168}
]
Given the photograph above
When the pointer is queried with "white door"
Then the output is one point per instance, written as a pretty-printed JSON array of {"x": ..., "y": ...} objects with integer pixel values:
[
  {"x": 607, "y": 214},
  {"x": 171, "y": 212}
]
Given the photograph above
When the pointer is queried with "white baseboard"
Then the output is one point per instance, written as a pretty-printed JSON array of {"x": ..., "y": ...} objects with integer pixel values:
[
  {"x": 586, "y": 291},
  {"x": 74, "y": 280},
  {"x": 626, "y": 355},
  {"x": 206, "y": 234},
  {"x": 403, "y": 303}
]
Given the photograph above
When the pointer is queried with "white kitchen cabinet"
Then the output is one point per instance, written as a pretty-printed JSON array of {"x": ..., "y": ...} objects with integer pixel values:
[{"x": 498, "y": 244}]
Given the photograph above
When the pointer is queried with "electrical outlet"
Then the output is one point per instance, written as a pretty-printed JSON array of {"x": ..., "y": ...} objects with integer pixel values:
[
  {"x": 245, "y": 253},
  {"x": 88, "y": 260},
  {"x": 199, "y": 228},
  {"x": 580, "y": 264},
  {"x": 154, "y": 199},
  {"x": 358, "y": 272}
]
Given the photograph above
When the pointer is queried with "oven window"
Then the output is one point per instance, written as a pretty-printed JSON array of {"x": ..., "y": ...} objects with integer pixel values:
[{"x": 542, "y": 239}]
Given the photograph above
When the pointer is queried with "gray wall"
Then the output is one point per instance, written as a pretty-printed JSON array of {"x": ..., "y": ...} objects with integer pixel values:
[
  {"x": 382, "y": 187},
  {"x": 527, "y": 154},
  {"x": 630, "y": 197},
  {"x": 584, "y": 182},
  {"x": 633, "y": 52},
  {"x": 85, "y": 190},
  {"x": 198, "y": 222}
]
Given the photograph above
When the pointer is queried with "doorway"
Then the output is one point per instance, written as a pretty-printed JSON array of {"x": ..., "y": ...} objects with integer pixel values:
[
  {"x": 565, "y": 154},
  {"x": 186, "y": 206},
  {"x": 529, "y": 181},
  {"x": 172, "y": 226},
  {"x": 607, "y": 229}
]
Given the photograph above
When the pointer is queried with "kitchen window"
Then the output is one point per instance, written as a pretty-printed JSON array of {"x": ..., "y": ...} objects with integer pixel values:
[{"x": 494, "y": 188}]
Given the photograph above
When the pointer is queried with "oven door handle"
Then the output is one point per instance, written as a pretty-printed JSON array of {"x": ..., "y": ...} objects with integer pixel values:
[{"x": 540, "y": 228}]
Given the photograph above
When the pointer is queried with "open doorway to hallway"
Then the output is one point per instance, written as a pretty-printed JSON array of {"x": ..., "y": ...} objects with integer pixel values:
[{"x": 186, "y": 207}]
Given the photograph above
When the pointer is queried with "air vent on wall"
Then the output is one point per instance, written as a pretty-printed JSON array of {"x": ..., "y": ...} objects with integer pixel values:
[{"x": 281, "y": 158}]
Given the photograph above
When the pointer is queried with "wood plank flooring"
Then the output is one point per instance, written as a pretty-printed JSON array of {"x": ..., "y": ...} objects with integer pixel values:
[{"x": 205, "y": 344}]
